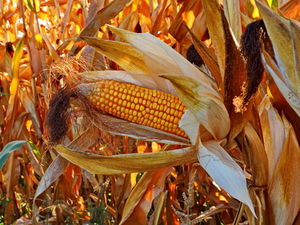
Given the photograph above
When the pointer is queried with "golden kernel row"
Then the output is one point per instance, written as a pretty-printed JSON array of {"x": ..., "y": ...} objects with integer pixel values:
[{"x": 140, "y": 105}]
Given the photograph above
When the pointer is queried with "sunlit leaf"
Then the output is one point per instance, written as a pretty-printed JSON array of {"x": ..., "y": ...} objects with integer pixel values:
[
  {"x": 273, "y": 133},
  {"x": 208, "y": 57},
  {"x": 15, "y": 78}
]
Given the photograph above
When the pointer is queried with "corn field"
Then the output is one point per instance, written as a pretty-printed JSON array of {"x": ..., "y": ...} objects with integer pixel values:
[{"x": 160, "y": 112}]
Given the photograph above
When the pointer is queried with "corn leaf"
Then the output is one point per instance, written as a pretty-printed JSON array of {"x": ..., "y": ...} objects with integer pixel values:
[
  {"x": 9, "y": 148},
  {"x": 15, "y": 79},
  {"x": 103, "y": 16}
]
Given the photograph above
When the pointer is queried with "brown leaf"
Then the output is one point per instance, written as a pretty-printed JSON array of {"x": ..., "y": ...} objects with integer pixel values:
[
  {"x": 208, "y": 57},
  {"x": 214, "y": 22},
  {"x": 101, "y": 18},
  {"x": 291, "y": 9},
  {"x": 177, "y": 29}
]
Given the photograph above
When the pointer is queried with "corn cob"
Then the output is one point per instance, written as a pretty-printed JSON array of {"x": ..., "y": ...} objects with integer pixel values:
[{"x": 139, "y": 105}]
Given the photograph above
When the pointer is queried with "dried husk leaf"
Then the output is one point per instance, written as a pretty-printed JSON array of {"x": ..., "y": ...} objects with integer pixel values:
[
  {"x": 127, "y": 163},
  {"x": 124, "y": 128},
  {"x": 152, "y": 81},
  {"x": 284, "y": 186}
]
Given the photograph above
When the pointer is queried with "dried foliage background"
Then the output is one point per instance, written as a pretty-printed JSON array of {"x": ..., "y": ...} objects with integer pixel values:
[{"x": 43, "y": 46}]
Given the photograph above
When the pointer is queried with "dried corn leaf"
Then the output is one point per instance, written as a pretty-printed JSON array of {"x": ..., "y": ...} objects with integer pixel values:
[
  {"x": 255, "y": 152},
  {"x": 288, "y": 93},
  {"x": 122, "y": 53},
  {"x": 141, "y": 197},
  {"x": 15, "y": 78},
  {"x": 291, "y": 9},
  {"x": 103, "y": 16},
  {"x": 225, "y": 171},
  {"x": 29, "y": 106},
  {"x": 208, "y": 57},
  {"x": 161, "y": 58},
  {"x": 285, "y": 37},
  {"x": 215, "y": 22},
  {"x": 127, "y": 163},
  {"x": 284, "y": 187},
  {"x": 232, "y": 13},
  {"x": 158, "y": 208},
  {"x": 177, "y": 28}
]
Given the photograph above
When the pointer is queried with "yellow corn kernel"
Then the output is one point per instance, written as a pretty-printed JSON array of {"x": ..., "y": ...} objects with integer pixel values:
[{"x": 137, "y": 104}]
